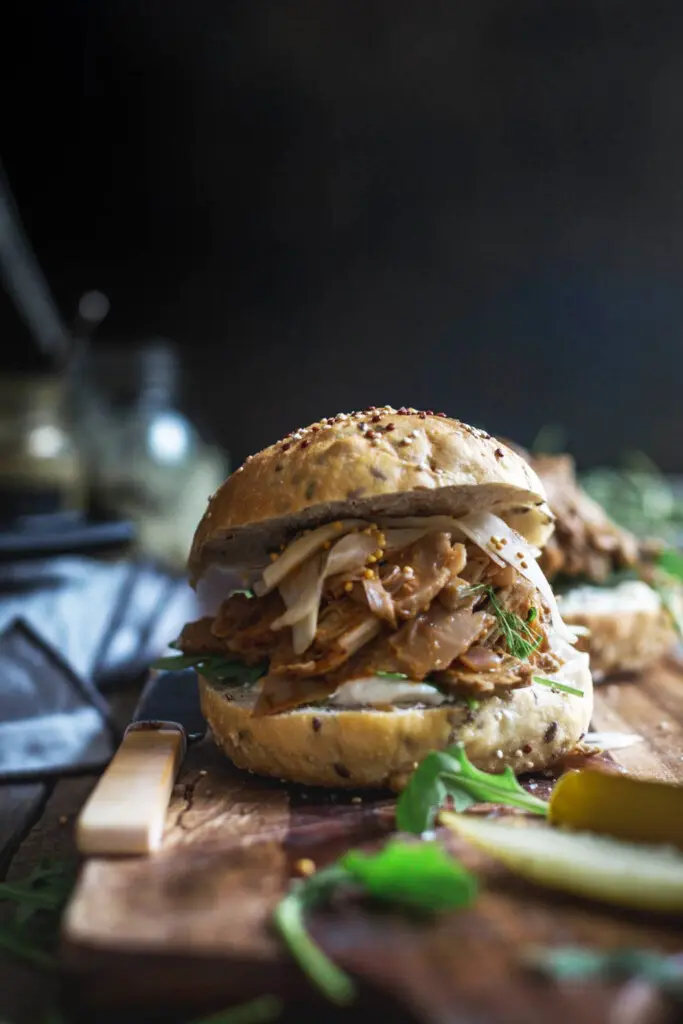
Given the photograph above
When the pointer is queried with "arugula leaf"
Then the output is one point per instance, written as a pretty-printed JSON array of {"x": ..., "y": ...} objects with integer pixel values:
[
  {"x": 472, "y": 704},
  {"x": 671, "y": 561},
  {"x": 558, "y": 686},
  {"x": 424, "y": 794},
  {"x": 577, "y": 963},
  {"x": 451, "y": 774},
  {"x": 42, "y": 894},
  {"x": 15, "y": 941},
  {"x": 391, "y": 675},
  {"x": 214, "y": 666},
  {"x": 289, "y": 921},
  {"x": 417, "y": 876}
]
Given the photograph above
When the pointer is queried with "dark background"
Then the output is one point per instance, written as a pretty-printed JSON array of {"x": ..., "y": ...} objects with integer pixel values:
[{"x": 474, "y": 207}]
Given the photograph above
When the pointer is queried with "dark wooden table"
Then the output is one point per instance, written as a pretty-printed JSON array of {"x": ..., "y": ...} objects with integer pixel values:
[{"x": 36, "y": 821}]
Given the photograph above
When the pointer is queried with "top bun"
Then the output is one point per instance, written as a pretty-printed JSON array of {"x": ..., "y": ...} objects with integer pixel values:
[{"x": 382, "y": 461}]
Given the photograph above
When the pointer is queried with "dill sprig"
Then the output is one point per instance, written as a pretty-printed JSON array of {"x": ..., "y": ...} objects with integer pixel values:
[{"x": 520, "y": 639}]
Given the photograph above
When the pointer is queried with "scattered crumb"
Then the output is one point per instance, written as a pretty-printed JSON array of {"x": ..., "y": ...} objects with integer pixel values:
[
  {"x": 663, "y": 726},
  {"x": 359, "y": 799},
  {"x": 63, "y": 819},
  {"x": 203, "y": 771},
  {"x": 305, "y": 866},
  {"x": 209, "y": 792}
]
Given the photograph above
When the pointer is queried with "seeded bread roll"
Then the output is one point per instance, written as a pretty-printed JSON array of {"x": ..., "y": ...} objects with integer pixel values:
[
  {"x": 528, "y": 729},
  {"x": 629, "y": 628},
  {"x": 397, "y": 462}
]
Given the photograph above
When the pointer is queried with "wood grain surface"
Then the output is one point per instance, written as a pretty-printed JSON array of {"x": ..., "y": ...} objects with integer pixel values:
[{"x": 190, "y": 927}]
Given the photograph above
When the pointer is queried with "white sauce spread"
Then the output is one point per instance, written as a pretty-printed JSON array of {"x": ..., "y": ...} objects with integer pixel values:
[
  {"x": 630, "y": 596},
  {"x": 379, "y": 690}
]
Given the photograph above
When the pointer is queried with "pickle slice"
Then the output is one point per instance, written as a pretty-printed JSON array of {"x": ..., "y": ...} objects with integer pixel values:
[
  {"x": 596, "y": 867},
  {"x": 619, "y": 806}
]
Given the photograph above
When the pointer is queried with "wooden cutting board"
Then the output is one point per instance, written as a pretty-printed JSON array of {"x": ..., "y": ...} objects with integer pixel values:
[{"x": 190, "y": 927}]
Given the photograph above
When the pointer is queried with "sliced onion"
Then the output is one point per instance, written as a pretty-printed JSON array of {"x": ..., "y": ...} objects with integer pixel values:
[
  {"x": 479, "y": 535},
  {"x": 350, "y": 553},
  {"x": 299, "y": 550},
  {"x": 482, "y": 526},
  {"x": 300, "y": 591},
  {"x": 397, "y": 539}
]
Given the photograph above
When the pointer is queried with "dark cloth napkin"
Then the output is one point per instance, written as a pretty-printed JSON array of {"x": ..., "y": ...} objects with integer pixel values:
[{"x": 72, "y": 629}]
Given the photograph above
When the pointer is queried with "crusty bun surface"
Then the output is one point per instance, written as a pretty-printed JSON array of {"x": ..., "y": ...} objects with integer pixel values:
[
  {"x": 629, "y": 628},
  {"x": 398, "y": 462},
  {"x": 528, "y": 729}
]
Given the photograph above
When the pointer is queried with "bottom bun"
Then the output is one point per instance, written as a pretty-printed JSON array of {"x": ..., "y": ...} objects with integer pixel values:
[
  {"x": 628, "y": 626},
  {"x": 528, "y": 729}
]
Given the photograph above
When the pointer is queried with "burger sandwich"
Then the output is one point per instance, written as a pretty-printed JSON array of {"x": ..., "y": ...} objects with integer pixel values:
[
  {"x": 611, "y": 586},
  {"x": 391, "y": 604}
]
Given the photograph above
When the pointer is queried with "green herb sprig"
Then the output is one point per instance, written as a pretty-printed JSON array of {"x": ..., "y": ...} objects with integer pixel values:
[
  {"x": 414, "y": 876},
  {"x": 450, "y": 773},
  {"x": 520, "y": 639},
  {"x": 214, "y": 667},
  {"x": 562, "y": 687}
]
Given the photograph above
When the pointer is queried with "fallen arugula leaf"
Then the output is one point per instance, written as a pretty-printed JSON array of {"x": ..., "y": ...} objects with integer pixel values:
[
  {"x": 450, "y": 773},
  {"x": 41, "y": 895},
  {"x": 391, "y": 675},
  {"x": 419, "y": 875},
  {"x": 256, "y": 1011},
  {"x": 416, "y": 876},
  {"x": 289, "y": 921},
  {"x": 577, "y": 963},
  {"x": 15, "y": 942},
  {"x": 563, "y": 687},
  {"x": 213, "y": 666}
]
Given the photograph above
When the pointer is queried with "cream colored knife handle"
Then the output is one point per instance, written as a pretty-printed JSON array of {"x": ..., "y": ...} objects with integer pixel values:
[{"x": 126, "y": 811}]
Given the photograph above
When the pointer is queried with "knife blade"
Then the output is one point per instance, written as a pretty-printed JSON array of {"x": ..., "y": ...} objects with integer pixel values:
[{"x": 126, "y": 811}]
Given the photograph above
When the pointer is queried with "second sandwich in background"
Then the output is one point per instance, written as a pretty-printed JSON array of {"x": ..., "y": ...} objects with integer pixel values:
[{"x": 604, "y": 576}]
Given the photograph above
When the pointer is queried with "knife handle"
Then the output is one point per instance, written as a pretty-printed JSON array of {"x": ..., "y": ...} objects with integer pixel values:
[{"x": 126, "y": 811}]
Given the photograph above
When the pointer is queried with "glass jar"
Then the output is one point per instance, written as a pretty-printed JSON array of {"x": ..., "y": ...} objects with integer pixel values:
[
  {"x": 146, "y": 460},
  {"x": 40, "y": 466}
]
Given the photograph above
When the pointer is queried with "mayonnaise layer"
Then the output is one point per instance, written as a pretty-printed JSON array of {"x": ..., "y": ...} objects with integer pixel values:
[{"x": 379, "y": 690}]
